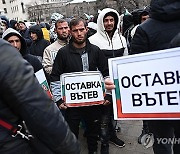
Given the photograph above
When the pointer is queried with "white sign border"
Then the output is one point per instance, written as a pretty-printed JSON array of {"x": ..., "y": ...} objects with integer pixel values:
[
  {"x": 64, "y": 75},
  {"x": 113, "y": 72}
]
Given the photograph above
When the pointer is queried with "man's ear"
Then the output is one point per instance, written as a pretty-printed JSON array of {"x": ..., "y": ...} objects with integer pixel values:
[
  {"x": 87, "y": 29},
  {"x": 69, "y": 31},
  {"x": 55, "y": 30}
]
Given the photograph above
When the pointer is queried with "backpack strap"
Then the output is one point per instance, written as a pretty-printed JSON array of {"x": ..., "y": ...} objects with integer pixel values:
[
  {"x": 8, "y": 126},
  {"x": 14, "y": 130}
]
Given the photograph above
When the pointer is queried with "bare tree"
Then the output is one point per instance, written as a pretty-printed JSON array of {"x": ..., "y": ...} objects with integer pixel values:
[
  {"x": 121, "y": 4},
  {"x": 135, "y": 3}
]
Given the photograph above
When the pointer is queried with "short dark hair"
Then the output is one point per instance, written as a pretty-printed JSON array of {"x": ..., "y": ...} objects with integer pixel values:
[
  {"x": 59, "y": 21},
  {"x": 22, "y": 22},
  {"x": 76, "y": 21},
  {"x": 112, "y": 14}
]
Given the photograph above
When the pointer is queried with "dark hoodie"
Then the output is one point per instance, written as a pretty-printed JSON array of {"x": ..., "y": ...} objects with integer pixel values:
[
  {"x": 5, "y": 19},
  {"x": 30, "y": 58},
  {"x": 157, "y": 32},
  {"x": 38, "y": 46},
  {"x": 25, "y": 34},
  {"x": 13, "y": 23}
]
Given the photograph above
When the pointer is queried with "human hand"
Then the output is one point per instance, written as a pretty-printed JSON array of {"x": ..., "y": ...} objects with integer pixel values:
[
  {"x": 106, "y": 102},
  {"x": 109, "y": 85},
  {"x": 63, "y": 106}
]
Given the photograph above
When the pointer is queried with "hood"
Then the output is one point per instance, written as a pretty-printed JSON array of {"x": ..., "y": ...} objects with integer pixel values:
[
  {"x": 42, "y": 25},
  {"x": 165, "y": 10},
  {"x": 11, "y": 32},
  {"x": 36, "y": 29},
  {"x": 47, "y": 26},
  {"x": 5, "y": 19},
  {"x": 100, "y": 25},
  {"x": 12, "y": 24},
  {"x": 92, "y": 25}
]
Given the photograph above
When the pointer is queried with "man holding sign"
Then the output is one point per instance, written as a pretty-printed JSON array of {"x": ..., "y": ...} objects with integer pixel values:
[{"x": 79, "y": 56}]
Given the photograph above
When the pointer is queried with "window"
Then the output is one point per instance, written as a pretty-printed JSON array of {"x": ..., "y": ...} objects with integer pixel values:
[
  {"x": 22, "y": 5},
  {"x": 5, "y": 10},
  {"x": 3, "y": 1}
]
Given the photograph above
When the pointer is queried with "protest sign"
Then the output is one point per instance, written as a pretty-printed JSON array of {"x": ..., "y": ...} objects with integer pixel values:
[
  {"x": 147, "y": 85},
  {"x": 43, "y": 82},
  {"x": 82, "y": 88}
]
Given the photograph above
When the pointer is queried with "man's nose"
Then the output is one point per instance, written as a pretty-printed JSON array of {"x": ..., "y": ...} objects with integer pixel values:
[
  {"x": 15, "y": 44},
  {"x": 78, "y": 32},
  {"x": 109, "y": 22}
]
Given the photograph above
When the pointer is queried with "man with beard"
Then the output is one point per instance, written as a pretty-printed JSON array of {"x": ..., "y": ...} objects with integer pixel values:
[
  {"x": 109, "y": 39},
  {"x": 79, "y": 56},
  {"x": 50, "y": 52}
]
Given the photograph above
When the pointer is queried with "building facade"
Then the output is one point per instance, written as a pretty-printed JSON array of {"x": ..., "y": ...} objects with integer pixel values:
[
  {"x": 18, "y": 9},
  {"x": 71, "y": 8},
  {"x": 41, "y": 10},
  {"x": 44, "y": 11},
  {"x": 14, "y": 9}
]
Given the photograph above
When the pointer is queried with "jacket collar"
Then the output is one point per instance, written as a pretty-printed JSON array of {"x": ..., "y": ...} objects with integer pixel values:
[{"x": 73, "y": 49}]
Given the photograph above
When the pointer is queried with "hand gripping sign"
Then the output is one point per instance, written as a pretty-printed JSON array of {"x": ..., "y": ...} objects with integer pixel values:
[
  {"x": 147, "y": 85},
  {"x": 43, "y": 82},
  {"x": 82, "y": 88}
]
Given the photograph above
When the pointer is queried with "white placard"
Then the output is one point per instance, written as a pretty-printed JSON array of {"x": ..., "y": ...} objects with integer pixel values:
[
  {"x": 43, "y": 82},
  {"x": 83, "y": 88},
  {"x": 40, "y": 76},
  {"x": 147, "y": 85}
]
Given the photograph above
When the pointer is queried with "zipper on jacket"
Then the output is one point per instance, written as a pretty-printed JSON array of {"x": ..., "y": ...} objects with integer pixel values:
[{"x": 112, "y": 48}]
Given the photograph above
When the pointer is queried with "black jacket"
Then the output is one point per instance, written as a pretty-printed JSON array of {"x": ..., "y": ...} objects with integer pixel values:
[
  {"x": 175, "y": 42},
  {"x": 69, "y": 60},
  {"x": 157, "y": 32},
  {"x": 25, "y": 34},
  {"x": 22, "y": 98},
  {"x": 13, "y": 23},
  {"x": 38, "y": 46}
]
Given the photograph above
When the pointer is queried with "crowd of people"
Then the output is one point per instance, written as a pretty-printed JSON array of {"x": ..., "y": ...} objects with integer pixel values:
[{"x": 77, "y": 45}]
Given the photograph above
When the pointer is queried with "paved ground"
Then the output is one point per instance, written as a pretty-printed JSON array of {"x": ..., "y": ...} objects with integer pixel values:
[{"x": 130, "y": 130}]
